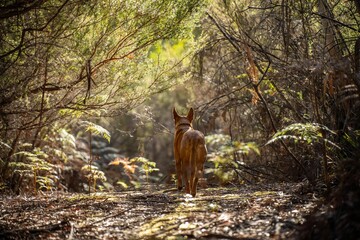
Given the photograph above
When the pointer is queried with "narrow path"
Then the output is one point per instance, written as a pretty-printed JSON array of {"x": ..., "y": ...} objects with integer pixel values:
[{"x": 249, "y": 212}]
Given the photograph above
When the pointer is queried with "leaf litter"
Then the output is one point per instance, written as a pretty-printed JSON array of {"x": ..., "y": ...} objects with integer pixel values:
[{"x": 272, "y": 211}]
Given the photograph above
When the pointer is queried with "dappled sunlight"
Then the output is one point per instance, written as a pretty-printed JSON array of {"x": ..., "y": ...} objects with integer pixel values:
[{"x": 179, "y": 119}]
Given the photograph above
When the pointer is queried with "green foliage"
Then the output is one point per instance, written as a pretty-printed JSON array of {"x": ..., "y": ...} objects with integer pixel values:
[
  {"x": 46, "y": 183},
  {"x": 172, "y": 51},
  {"x": 354, "y": 139},
  {"x": 96, "y": 129},
  {"x": 122, "y": 184},
  {"x": 44, "y": 166},
  {"x": 146, "y": 165},
  {"x": 93, "y": 174},
  {"x": 110, "y": 39},
  {"x": 293, "y": 71},
  {"x": 35, "y": 165},
  {"x": 143, "y": 165},
  {"x": 225, "y": 155},
  {"x": 305, "y": 133},
  {"x": 65, "y": 60}
]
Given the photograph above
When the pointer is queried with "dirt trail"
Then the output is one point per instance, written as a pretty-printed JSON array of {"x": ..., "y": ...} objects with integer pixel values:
[{"x": 248, "y": 212}]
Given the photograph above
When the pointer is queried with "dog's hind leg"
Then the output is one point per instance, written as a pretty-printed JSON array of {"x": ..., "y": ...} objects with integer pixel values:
[
  {"x": 193, "y": 179},
  {"x": 186, "y": 175},
  {"x": 198, "y": 166},
  {"x": 179, "y": 174}
]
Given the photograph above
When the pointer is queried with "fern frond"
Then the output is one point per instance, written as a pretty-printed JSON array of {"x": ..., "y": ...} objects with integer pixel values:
[
  {"x": 97, "y": 130},
  {"x": 303, "y": 132},
  {"x": 67, "y": 138}
]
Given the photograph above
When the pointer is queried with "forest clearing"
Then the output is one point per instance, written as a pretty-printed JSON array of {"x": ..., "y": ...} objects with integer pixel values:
[{"x": 180, "y": 119}]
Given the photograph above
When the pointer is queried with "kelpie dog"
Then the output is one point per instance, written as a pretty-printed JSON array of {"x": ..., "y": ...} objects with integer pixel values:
[{"x": 190, "y": 152}]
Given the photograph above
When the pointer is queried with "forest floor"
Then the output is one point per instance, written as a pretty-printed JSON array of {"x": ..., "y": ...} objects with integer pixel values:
[{"x": 271, "y": 211}]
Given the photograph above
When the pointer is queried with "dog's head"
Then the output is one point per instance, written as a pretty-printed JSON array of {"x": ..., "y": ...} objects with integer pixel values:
[{"x": 182, "y": 120}]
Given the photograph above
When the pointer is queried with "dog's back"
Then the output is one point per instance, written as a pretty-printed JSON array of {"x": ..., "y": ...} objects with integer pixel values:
[{"x": 190, "y": 152}]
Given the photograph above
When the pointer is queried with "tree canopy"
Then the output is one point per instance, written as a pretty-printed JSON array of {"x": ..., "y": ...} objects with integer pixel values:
[{"x": 67, "y": 60}]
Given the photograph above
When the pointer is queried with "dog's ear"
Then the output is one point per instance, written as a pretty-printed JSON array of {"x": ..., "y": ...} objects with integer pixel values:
[
  {"x": 176, "y": 115},
  {"x": 190, "y": 114}
]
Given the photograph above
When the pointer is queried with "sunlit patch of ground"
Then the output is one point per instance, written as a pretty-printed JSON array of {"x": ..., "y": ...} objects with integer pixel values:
[{"x": 253, "y": 212}]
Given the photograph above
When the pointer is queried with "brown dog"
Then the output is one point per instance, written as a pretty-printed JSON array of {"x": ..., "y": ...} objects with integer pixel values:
[{"x": 190, "y": 152}]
